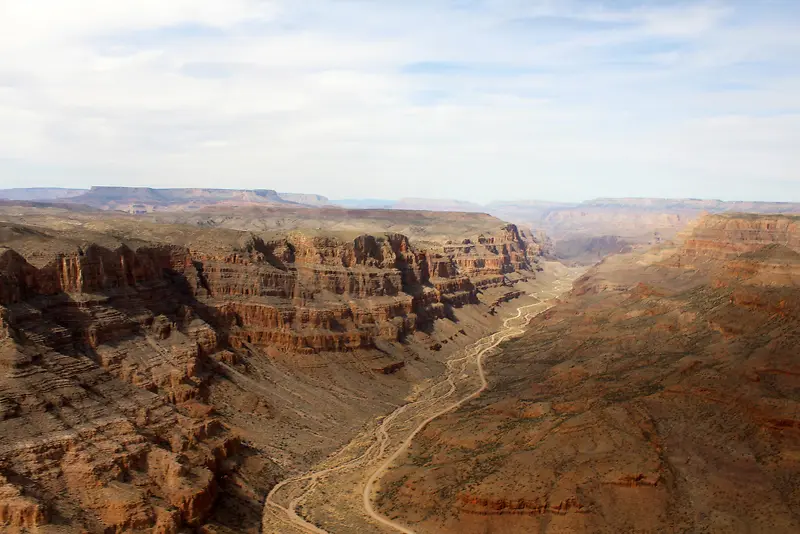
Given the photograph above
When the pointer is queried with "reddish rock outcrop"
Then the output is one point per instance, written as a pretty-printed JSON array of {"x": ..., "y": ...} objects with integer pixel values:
[
  {"x": 471, "y": 504},
  {"x": 18, "y": 511},
  {"x": 727, "y": 236}
]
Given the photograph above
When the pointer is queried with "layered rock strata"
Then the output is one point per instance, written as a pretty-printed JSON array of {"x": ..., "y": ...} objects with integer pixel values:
[{"x": 109, "y": 359}]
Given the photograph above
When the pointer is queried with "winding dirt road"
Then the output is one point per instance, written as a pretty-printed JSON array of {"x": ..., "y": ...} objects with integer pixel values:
[{"x": 284, "y": 517}]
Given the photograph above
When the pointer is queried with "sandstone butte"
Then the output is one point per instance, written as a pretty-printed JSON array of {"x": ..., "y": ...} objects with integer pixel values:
[
  {"x": 156, "y": 377},
  {"x": 661, "y": 395}
]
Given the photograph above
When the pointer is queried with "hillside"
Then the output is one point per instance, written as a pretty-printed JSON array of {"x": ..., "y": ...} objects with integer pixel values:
[{"x": 661, "y": 395}]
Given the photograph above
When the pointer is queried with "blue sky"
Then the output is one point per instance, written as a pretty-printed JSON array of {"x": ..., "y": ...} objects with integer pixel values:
[{"x": 473, "y": 99}]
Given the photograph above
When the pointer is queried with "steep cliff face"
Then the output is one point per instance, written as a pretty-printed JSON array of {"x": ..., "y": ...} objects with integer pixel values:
[
  {"x": 86, "y": 271},
  {"x": 283, "y": 288},
  {"x": 726, "y": 236},
  {"x": 485, "y": 255},
  {"x": 108, "y": 358}
]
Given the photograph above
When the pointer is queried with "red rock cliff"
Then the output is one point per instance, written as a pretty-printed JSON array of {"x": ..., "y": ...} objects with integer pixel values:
[
  {"x": 105, "y": 356},
  {"x": 726, "y": 236}
]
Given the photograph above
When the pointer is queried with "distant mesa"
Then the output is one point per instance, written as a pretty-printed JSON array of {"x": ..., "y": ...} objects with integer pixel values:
[
  {"x": 414, "y": 204},
  {"x": 150, "y": 199},
  {"x": 145, "y": 199},
  {"x": 306, "y": 199},
  {"x": 713, "y": 206},
  {"x": 39, "y": 193},
  {"x": 438, "y": 204},
  {"x": 365, "y": 203}
]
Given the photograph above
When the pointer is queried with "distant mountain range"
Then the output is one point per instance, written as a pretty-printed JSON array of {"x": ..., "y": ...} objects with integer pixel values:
[
  {"x": 147, "y": 199},
  {"x": 146, "y": 195},
  {"x": 36, "y": 194}
]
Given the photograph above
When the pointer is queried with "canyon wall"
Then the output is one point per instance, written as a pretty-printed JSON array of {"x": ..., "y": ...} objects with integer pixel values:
[
  {"x": 275, "y": 291},
  {"x": 719, "y": 237},
  {"x": 109, "y": 357}
]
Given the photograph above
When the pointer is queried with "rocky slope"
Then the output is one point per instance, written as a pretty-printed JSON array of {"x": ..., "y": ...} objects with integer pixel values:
[
  {"x": 154, "y": 377},
  {"x": 661, "y": 396}
]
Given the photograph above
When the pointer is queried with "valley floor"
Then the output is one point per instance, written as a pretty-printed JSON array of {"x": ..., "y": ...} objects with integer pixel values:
[{"x": 337, "y": 495}]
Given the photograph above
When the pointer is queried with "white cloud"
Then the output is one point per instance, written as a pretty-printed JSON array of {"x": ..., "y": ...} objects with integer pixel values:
[
  {"x": 494, "y": 99},
  {"x": 34, "y": 23}
]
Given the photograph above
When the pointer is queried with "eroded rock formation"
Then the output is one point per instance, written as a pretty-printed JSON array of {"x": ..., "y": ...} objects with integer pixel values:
[{"x": 108, "y": 356}]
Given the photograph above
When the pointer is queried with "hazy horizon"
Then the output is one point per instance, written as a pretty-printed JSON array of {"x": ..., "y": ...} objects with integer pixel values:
[
  {"x": 479, "y": 100},
  {"x": 366, "y": 200}
]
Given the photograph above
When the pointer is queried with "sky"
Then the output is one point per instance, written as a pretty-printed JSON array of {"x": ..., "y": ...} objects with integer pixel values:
[{"x": 477, "y": 100}]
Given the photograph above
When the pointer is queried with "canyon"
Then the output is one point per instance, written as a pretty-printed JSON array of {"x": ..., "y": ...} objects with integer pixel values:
[
  {"x": 660, "y": 394},
  {"x": 159, "y": 376},
  {"x": 258, "y": 365},
  {"x": 338, "y": 494}
]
